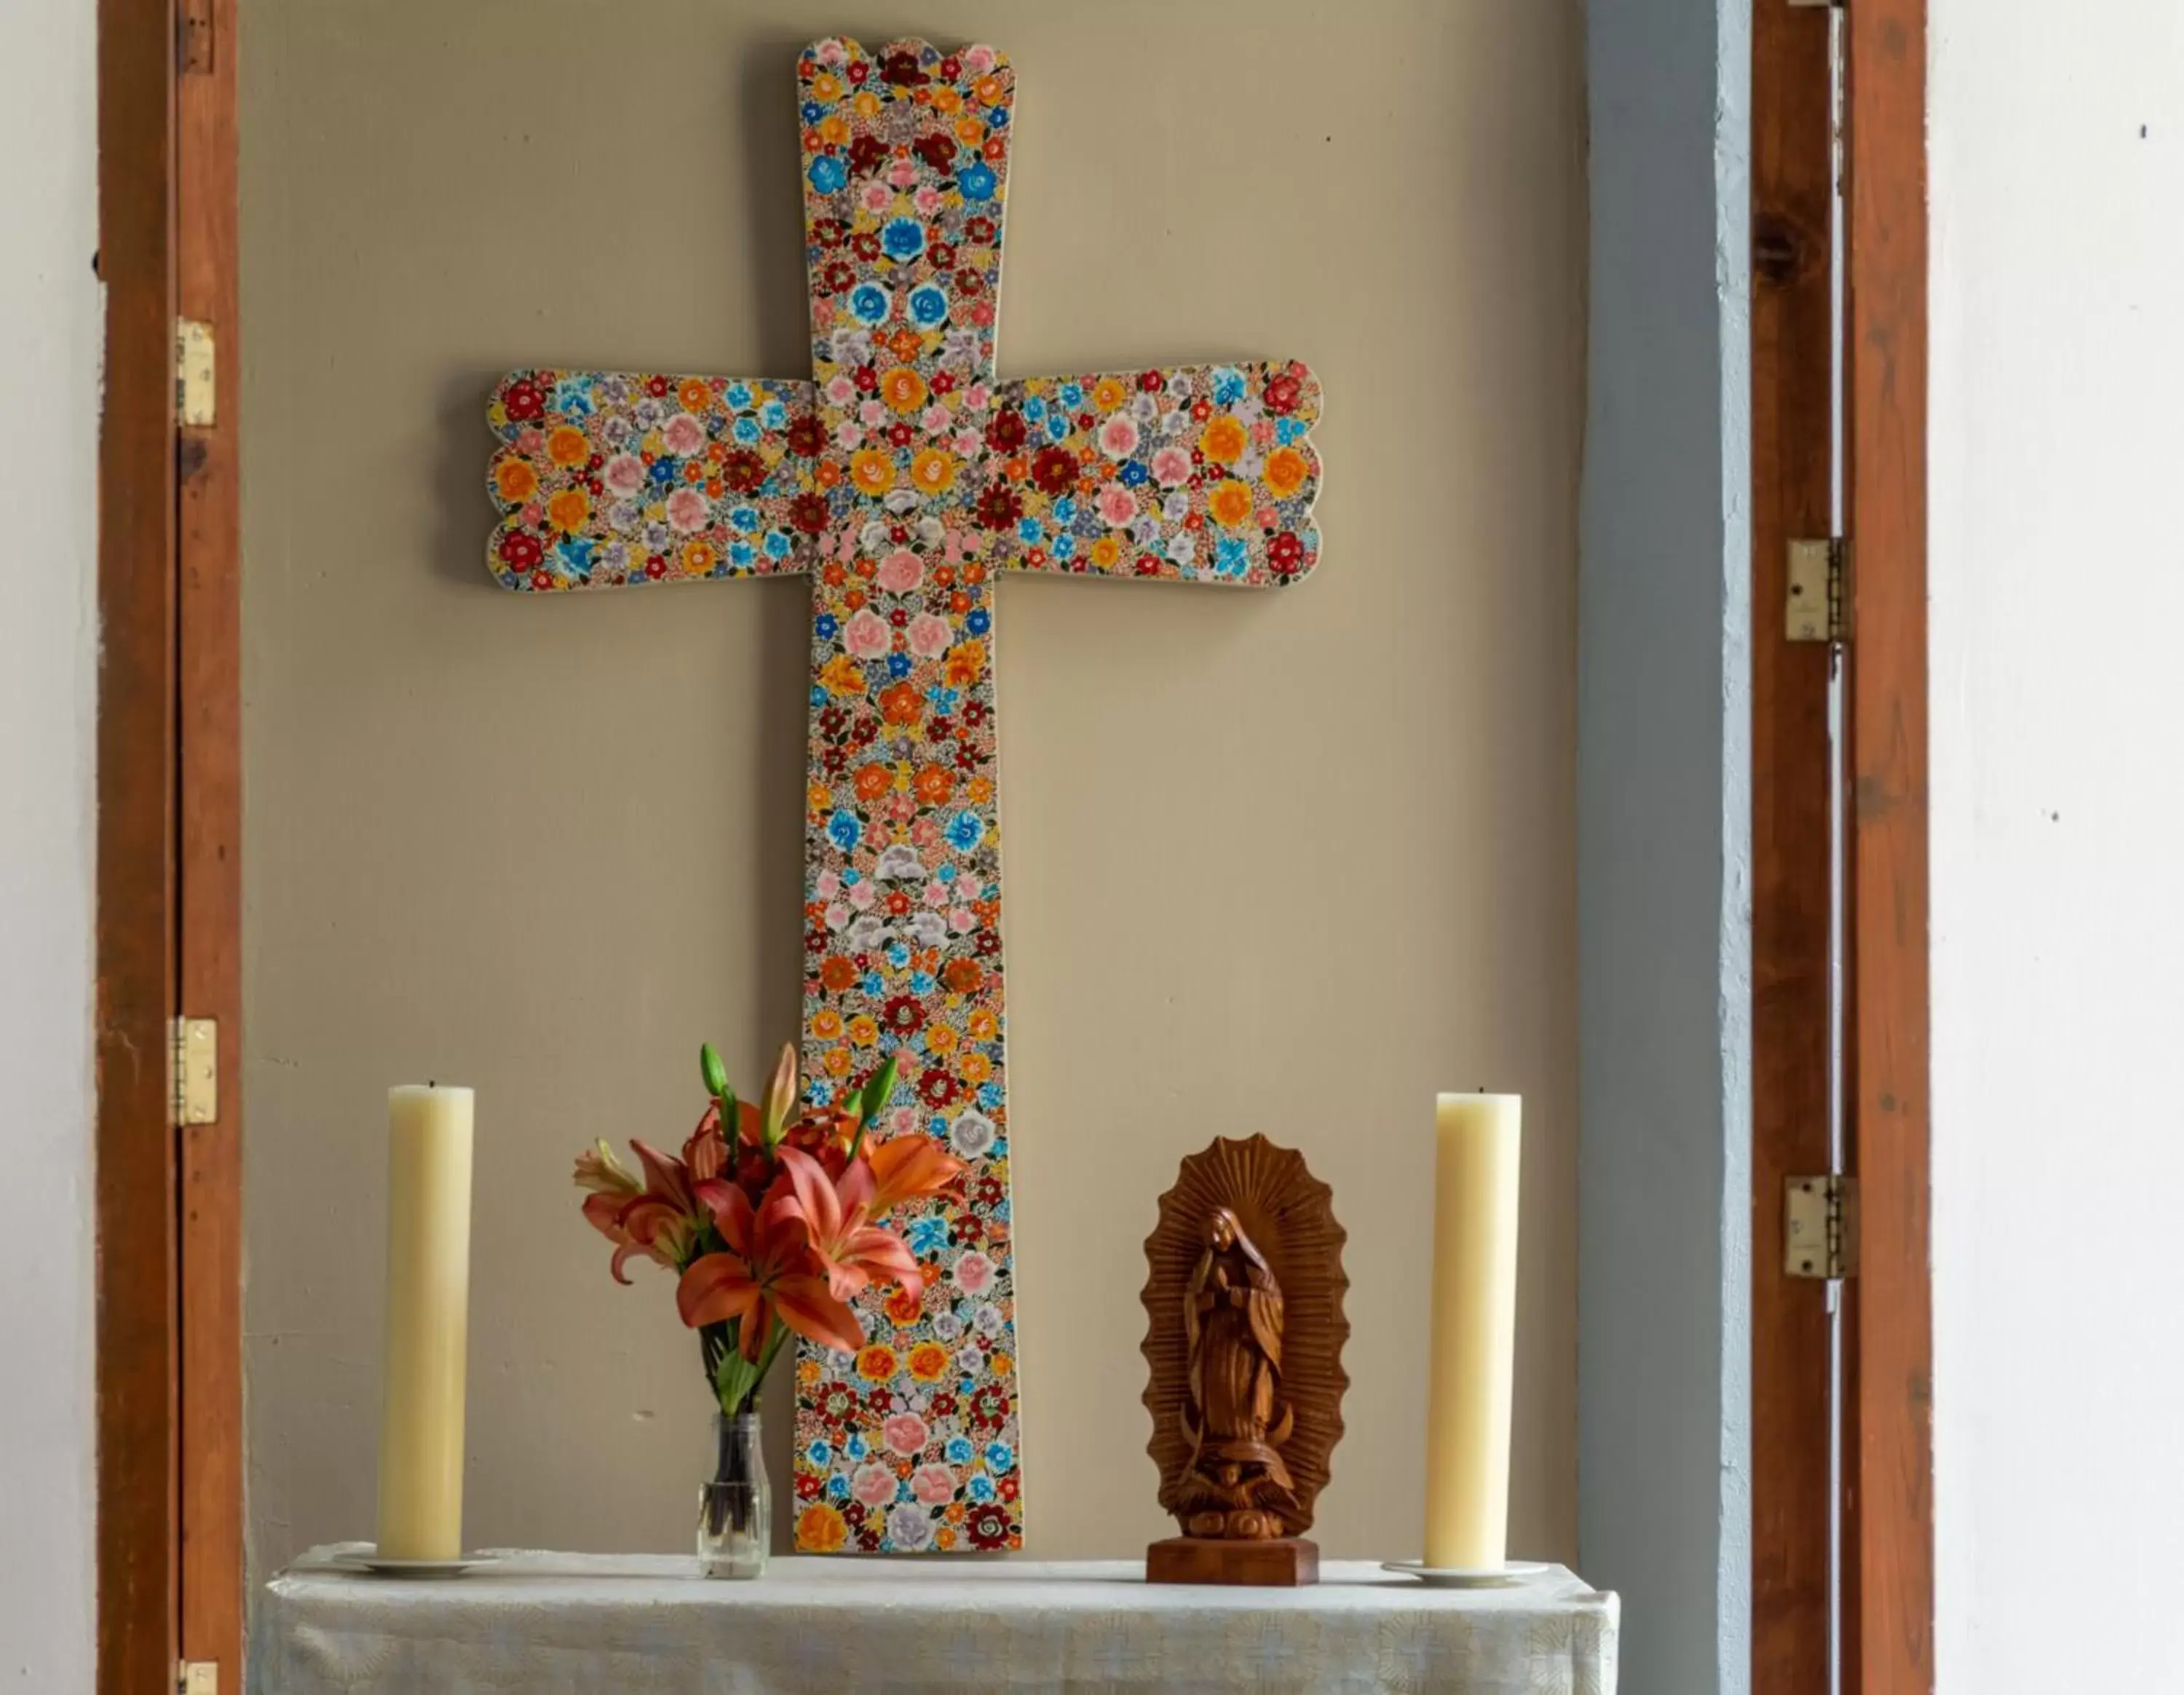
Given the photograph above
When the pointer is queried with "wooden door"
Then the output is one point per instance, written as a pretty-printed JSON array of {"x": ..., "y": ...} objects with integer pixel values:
[
  {"x": 169, "y": 1214},
  {"x": 1842, "y": 1531}
]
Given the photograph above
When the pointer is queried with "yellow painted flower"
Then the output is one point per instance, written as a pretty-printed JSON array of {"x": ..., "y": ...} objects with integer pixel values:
[
  {"x": 826, "y": 1023},
  {"x": 1223, "y": 439},
  {"x": 698, "y": 558},
  {"x": 872, "y": 469},
  {"x": 1000, "y": 1365},
  {"x": 1105, "y": 553},
  {"x": 826, "y": 88},
  {"x": 1231, "y": 503},
  {"x": 837, "y": 1061},
  {"x": 820, "y": 1528},
  {"x": 945, "y": 99},
  {"x": 807, "y": 1371},
  {"x": 1285, "y": 472},
  {"x": 939, "y": 1038},
  {"x": 864, "y": 1029},
  {"x": 929, "y": 1362},
  {"x": 696, "y": 394},
  {"x": 818, "y": 797},
  {"x": 567, "y": 446},
  {"x": 1109, "y": 392},
  {"x": 834, "y": 129},
  {"x": 569, "y": 509},
  {"x": 933, "y": 470},
  {"x": 842, "y": 675},
  {"x": 903, "y": 389},
  {"x": 990, "y": 91},
  {"x": 867, "y": 104},
  {"x": 982, "y": 1024},
  {"x": 876, "y": 1363},
  {"x": 515, "y": 480},
  {"x": 976, "y": 1067},
  {"x": 969, "y": 132},
  {"x": 966, "y": 661}
]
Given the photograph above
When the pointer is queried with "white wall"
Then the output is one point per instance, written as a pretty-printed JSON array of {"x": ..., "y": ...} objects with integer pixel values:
[
  {"x": 49, "y": 341},
  {"x": 2058, "y": 436}
]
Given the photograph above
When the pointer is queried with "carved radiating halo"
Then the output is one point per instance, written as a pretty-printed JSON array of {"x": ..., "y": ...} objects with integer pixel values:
[{"x": 1289, "y": 1214}]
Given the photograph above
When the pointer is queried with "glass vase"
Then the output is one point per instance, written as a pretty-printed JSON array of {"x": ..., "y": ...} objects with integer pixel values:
[{"x": 735, "y": 1508}]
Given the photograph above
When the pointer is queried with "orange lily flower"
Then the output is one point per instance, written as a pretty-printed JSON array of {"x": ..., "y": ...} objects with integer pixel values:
[
  {"x": 910, "y": 1166},
  {"x": 836, "y": 1217},
  {"x": 767, "y": 1271}
]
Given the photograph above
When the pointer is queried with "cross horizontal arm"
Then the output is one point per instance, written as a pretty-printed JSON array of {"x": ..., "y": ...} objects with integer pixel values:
[
  {"x": 1196, "y": 473},
  {"x": 607, "y": 479}
]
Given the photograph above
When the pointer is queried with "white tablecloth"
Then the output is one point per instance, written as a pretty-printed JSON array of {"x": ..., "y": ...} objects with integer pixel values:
[{"x": 546, "y": 1624}]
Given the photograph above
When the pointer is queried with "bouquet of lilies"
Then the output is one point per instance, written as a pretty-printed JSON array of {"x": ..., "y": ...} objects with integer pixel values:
[{"x": 770, "y": 1225}]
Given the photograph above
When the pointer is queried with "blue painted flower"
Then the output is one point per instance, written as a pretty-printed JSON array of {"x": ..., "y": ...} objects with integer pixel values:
[
  {"x": 774, "y": 416},
  {"x": 812, "y": 111},
  {"x": 822, "y": 1091},
  {"x": 999, "y": 1456},
  {"x": 1134, "y": 474},
  {"x": 852, "y": 878},
  {"x": 1064, "y": 547},
  {"x": 902, "y": 239},
  {"x": 1287, "y": 430},
  {"x": 1030, "y": 530},
  {"x": 747, "y": 432},
  {"x": 826, "y": 626},
  {"x": 1231, "y": 557},
  {"x": 873, "y": 982},
  {"x": 979, "y": 621},
  {"x": 980, "y": 1487},
  {"x": 779, "y": 545},
  {"x": 943, "y": 700},
  {"x": 1034, "y": 407},
  {"x": 1057, "y": 427},
  {"x": 928, "y": 306},
  {"x": 1065, "y": 510},
  {"x": 959, "y": 1450},
  {"x": 965, "y": 831},
  {"x": 1073, "y": 395},
  {"x": 898, "y": 665},
  {"x": 737, "y": 395},
  {"x": 818, "y": 697},
  {"x": 744, "y": 518},
  {"x": 928, "y": 1236},
  {"x": 844, "y": 830},
  {"x": 855, "y": 1448},
  {"x": 742, "y": 556},
  {"x": 990, "y": 1097},
  {"x": 827, "y": 174},
  {"x": 898, "y": 956},
  {"x": 923, "y": 983},
  {"x": 977, "y": 180},
  {"x": 573, "y": 558},
  {"x": 870, "y": 303},
  {"x": 664, "y": 469},
  {"x": 947, "y": 873},
  {"x": 572, "y": 397},
  {"x": 837, "y": 1488},
  {"x": 1228, "y": 385}
]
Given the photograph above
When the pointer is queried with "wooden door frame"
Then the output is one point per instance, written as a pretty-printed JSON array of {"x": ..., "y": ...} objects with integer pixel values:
[
  {"x": 167, "y": 1204},
  {"x": 1886, "y": 1472}
]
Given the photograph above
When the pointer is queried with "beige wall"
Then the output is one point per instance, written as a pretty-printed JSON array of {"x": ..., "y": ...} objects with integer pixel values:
[{"x": 1283, "y": 863}]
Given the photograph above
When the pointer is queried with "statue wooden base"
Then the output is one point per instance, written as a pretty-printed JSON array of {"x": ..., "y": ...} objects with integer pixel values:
[{"x": 1283, "y": 1563}]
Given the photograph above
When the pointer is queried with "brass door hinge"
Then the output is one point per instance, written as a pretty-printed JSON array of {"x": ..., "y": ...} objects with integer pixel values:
[
  {"x": 1817, "y": 570},
  {"x": 194, "y": 1071},
  {"x": 198, "y": 1677},
  {"x": 195, "y": 402},
  {"x": 1819, "y": 1226}
]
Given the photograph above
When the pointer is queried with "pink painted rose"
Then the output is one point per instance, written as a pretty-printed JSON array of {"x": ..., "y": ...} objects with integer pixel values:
[
  {"x": 840, "y": 391},
  {"x": 977, "y": 396},
  {"x": 625, "y": 473},
  {"x": 838, "y": 914},
  {"x": 978, "y": 60},
  {"x": 686, "y": 510},
  {"x": 933, "y": 1484},
  {"x": 683, "y": 434},
  {"x": 871, "y": 415},
  {"x": 929, "y": 635},
  {"x": 1117, "y": 506},
  {"x": 873, "y": 1484},
  {"x": 973, "y": 1273},
  {"x": 962, "y": 920},
  {"x": 925, "y": 835},
  {"x": 867, "y": 634},
  {"x": 903, "y": 174},
  {"x": 1118, "y": 437},
  {"x": 905, "y": 1434},
  {"x": 966, "y": 442},
  {"x": 875, "y": 197},
  {"x": 827, "y": 884},
  {"x": 862, "y": 896},
  {"x": 1171, "y": 467},
  {"x": 935, "y": 418},
  {"x": 899, "y": 572},
  {"x": 847, "y": 437},
  {"x": 927, "y": 200}
]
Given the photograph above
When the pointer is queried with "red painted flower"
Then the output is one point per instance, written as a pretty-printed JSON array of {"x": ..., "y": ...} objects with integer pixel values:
[
  {"x": 936, "y": 1088},
  {"x": 520, "y": 551},
  {"x": 867, "y": 154},
  {"x": 978, "y": 232},
  {"x": 807, "y": 435},
  {"x": 1284, "y": 391},
  {"x": 1054, "y": 470},
  {"x": 997, "y": 507},
  {"x": 744, "y": 470},
  {"x": 808, "y": 512},
  {"x": 1285, "y": 554},
  {"x": 903, "y": 71},
  {"x": 1006, "y": 433},
  {"x": 902, "y": 1015},
  {"x": 989, "y": 1406},
  {"x": 1151, "y": 382},
  {"x": 521, "y": 400},
  {"x": 987, "y": 1526},
  {"x": 936, "y": 150}
]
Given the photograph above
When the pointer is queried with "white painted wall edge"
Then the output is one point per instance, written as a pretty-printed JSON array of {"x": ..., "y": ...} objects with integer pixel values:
[
  {"x": 50, "y": 328},
  {"x": 1663, "y": 847}
]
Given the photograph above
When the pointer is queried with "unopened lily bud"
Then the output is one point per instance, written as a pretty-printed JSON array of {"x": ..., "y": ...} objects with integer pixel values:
[
  {"x": 780, "y": 1095},
  {"x": 716, "y": 1074}
]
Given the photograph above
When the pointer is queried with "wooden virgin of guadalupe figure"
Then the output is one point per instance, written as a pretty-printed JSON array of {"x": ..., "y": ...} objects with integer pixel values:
[{"x": 1245, "y": 1301}]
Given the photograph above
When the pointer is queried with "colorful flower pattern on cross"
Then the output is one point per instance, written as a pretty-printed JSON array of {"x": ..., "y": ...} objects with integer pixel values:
[{"x": 901, "y": 478}]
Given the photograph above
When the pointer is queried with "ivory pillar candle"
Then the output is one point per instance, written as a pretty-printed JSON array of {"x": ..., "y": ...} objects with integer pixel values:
[
  {"x": 428, "y": 1279},
  {"x": 1474, "y": 1329}
]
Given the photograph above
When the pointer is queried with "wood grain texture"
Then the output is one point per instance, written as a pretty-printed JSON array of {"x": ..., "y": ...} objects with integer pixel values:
[
  {"x": 1792, "y": 454},
  {"x": 135, "y": 1207},
  {"x": 1286, "y": 1562},
  {"x": 209, "y": 865},
  {"x": 1889, "y": 1622}
]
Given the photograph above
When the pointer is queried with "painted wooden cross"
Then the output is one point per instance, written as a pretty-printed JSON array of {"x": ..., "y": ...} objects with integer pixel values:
[{"x": 901, "y": 479}]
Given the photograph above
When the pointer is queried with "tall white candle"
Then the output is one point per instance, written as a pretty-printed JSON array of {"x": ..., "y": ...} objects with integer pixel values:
[
  {"x": 1474, "y": 1329},
  {"x": 428, "y": 1287}
]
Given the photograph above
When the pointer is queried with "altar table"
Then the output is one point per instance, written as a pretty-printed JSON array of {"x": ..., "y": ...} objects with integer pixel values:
[{"x": 545, "y": 1624}]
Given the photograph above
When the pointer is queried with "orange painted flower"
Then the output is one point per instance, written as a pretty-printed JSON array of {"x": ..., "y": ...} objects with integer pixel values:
[
  {"x": 826, "y": 88},
  {"x": 900, "y": 704},
  {"x": 569, "y": 510},
  {"x": 904, "y": 1308},
  {"x": 933, "y": 785},
  {"x": 876, "y": 1363},
  {"x": 842, "y": 675},
  {"x": 864, "y": 1029},
  {"x": 516, "y": 480},
  {"x": 933, "y": 470},
  {"x": 903, "y": 389},
  {"x": 1223, "y": 439},
  {"x": 836, "y": 973},
  {"x": 696, "y": 394},
  {"x": 872, "y": 470},
  {"x": 836, "y": 1062},
  {"x": 966, "y": 662},
  {"x": 1231, "y": 503},
  {"x": 835, "y": 128},
  {"x": 982, "y": 1024},
  {"x": 939, "y": 1038},
  {"x": 1285, "y": 472},
  {"x": 1107, "y": 552},
  {"x": 827, "y": 1023},
  {"x": 962, "y": 976},
  {"x": 873, "y": 781},
  {"x": 929, "y": 1362},
  {"x": 820, "y": 1530},
  {"x": 990, "y": 90},
  {"x": 567, "y": 446},
  {"x": 977, "y": 1068}
]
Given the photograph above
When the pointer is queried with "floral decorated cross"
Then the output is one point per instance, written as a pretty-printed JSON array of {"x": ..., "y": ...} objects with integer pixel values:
[{"x": 901, "y": 479}]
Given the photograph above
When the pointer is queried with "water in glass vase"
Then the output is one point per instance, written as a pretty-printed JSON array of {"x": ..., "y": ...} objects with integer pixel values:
[{"x": 735, "y": 1508}]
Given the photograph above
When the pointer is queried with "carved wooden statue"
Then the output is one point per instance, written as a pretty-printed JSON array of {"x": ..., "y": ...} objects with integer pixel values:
[{"x": 1245, "y": 1341}]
